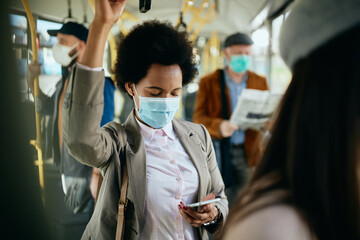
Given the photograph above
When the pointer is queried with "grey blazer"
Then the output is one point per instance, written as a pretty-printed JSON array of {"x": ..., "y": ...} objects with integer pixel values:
[{"x": 103, "y": 148}]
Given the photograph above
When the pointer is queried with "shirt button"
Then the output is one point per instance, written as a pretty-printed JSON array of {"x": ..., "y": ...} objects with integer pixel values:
[
  {"x": 177, "y": 196},
  {"x": 172, "y": 162},
  {"x": 180, "y": 236},
  {"x": 178, "y": 179}
]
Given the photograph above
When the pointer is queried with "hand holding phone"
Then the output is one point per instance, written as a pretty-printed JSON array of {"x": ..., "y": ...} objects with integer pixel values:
[{"x": 201, "y": 212}]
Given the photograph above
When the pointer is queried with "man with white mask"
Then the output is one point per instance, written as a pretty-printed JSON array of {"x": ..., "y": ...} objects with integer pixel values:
[
  {"x": 236, "y": 150},
  {"x": 79, "y": 182}
]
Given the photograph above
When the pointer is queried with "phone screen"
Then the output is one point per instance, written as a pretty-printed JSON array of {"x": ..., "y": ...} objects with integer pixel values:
[{"x": 198, "y": 204}]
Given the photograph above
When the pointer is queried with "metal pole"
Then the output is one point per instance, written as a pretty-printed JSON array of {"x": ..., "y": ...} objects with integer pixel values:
[{"x": 38, "y": 143}]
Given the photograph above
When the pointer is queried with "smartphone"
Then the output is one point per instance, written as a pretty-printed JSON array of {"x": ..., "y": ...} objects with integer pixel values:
[{"x": 198, "y": 204}]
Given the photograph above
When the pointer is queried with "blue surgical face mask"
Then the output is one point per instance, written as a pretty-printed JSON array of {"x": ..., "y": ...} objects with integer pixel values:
[
  {"x": 240, "y": 63},
  {"x": 157, "y": 112}
]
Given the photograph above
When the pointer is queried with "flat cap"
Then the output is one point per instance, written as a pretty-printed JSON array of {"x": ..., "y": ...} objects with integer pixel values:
[{"x": 238, "y": 38}]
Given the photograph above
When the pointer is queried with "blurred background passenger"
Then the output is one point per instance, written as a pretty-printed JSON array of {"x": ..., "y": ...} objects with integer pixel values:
[
  {"x": 236, "y": 150},
  {"x": 307, "y": 184},
  {"x": 78, "y": 181}
]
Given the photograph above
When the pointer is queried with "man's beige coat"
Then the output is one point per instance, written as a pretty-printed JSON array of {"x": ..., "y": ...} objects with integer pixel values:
[{"x": 103, "y": 148}]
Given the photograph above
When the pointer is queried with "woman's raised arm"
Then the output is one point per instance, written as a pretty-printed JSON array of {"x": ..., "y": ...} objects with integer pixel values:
[
  {"x": 107, "y": 12},
  {"x": 84, "y": 97}
]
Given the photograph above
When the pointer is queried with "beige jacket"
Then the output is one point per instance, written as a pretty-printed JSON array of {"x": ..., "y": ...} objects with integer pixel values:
[{"x": 103, "y": 148}]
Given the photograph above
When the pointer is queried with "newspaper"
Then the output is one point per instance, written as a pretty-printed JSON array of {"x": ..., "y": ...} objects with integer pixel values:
[{"x": 254, "y": 108}]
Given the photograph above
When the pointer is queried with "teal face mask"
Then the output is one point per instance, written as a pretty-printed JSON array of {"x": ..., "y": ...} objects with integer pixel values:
[
  {"x": 240, "y": 63},
  {"x": 157, "y": 112}
]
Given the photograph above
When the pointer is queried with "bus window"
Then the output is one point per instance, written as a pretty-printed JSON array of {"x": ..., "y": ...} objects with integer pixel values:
[
  {"x": 260, "y": 54},
  {"x": 19, "y": 41},
  {"x": 280, "y": 73},
  {"x": 50, "y": 69}
]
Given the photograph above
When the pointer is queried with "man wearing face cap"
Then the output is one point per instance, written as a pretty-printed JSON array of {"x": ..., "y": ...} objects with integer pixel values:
[
  {"x": 79, "y": 181},
  {"x": 236, "y": 149}
]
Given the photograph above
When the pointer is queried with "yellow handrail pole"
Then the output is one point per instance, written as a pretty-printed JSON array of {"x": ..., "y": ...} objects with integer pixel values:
[
  {"x": 196, "y": 17},
  {"x": 209, "y": 16},
  {"x": 36, "y": 143}
]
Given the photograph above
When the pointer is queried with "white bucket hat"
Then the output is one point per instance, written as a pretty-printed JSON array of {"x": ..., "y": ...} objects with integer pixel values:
[{"x": 312, "y": 23}]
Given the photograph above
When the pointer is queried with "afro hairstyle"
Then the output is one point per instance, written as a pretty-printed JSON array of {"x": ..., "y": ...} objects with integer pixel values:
[{"x": 149, "y": 43}]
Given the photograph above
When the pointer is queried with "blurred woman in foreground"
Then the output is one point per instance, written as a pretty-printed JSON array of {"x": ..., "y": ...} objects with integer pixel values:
[{"x": 307, "y": 184}]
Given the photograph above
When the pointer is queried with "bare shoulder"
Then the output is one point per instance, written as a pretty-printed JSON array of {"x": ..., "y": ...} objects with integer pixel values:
[{"x": 279, "y": 222}]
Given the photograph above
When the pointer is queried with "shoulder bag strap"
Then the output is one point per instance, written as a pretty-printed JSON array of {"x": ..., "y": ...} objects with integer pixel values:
[
  {"x": 122, "y": 205},
  {"x": 123, "y": 139},
  {"x": 100, "y": 180},
  {"x": 224, "y": 104},
  {"x": 123, "y": 200}
]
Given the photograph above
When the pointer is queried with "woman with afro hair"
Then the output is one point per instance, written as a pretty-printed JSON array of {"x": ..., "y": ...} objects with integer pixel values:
[{"x": 170, "y": 163}]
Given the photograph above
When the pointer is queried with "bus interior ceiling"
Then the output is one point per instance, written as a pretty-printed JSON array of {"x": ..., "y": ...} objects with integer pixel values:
[{"x": 231, "y": 15}]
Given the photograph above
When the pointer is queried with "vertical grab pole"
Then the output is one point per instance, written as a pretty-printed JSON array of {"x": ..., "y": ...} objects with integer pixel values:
[{"x": 37, "y": 144}]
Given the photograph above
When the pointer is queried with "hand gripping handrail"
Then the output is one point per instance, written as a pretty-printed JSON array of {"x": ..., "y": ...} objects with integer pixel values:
[{"x": 37, "y": 144}]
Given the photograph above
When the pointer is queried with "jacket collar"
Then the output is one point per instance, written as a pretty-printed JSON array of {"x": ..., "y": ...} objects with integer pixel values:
[
  {"x": 136, "y": 165},
  {"x": 133, "y": 131},
  {"x": 194, "y": 148}
]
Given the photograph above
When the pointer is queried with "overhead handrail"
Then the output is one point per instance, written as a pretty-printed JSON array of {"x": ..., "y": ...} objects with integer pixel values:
[
  {"x": 38, "y": 142},
  {"x": 70, "y": 17},
  {"x": 201, "y": 15},
  {"x": 181, "y": 26}
]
